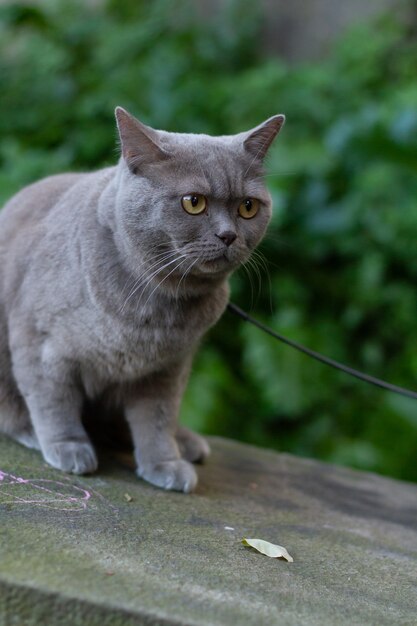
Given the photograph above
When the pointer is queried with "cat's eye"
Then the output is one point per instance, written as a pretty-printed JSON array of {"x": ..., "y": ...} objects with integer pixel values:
[
  {"x": 194, "y": 203},
  {"x": 249, "y": 208}
]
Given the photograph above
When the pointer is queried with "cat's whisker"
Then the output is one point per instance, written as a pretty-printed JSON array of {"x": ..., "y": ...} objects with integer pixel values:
[
  {"x": 184, "y": 258},
  {"x": 247, "y": 272},
  {"x": 279, "y": 175},
  {"x": 253, "y": 265},
  {"x": 148, "y": 275},
  {"x": 160, "y": 265},
  {"x": 160, "y": 258},
  {"x": 150, "y": 257},
  {"x": 149, "y": 278},
  {"x": 158, "y": 246},
  {"x": 264, "y": 265},
  {"x": 140, "y": 279},
  {"x": 187, "y": 271},
  {"x": 277, "y": 239}
]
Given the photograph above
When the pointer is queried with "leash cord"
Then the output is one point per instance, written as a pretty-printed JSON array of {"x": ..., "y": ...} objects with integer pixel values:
[{"x": 320, "y": 357}]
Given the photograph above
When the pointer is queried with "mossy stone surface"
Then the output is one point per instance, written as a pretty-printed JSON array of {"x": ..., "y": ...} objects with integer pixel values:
[{"x": 110, "y": 550}]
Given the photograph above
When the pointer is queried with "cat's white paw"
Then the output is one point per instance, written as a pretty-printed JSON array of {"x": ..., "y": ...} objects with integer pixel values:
[
  {"x": 192, "y": 446},
  {"x": 178, "y": 475},
  {"x": 72, "y": 457}
]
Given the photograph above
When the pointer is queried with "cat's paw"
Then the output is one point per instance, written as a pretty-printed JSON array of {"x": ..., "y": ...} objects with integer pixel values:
[
  {"x": 192, "y": 447},
  {"x": 178, "y": 475},
  {"x": 72, "y": 457}
]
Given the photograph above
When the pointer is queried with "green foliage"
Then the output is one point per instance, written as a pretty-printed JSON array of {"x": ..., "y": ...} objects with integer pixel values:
[{"x": 342, "y": 248}]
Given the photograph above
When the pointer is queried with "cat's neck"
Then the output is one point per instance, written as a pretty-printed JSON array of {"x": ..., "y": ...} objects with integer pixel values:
[{"x": 118, "y": 292}]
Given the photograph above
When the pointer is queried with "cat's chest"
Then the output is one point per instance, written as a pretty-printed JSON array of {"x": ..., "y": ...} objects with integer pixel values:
[
  {"x": 123, "y": 350},
  {"x": 152, "y": 341}
]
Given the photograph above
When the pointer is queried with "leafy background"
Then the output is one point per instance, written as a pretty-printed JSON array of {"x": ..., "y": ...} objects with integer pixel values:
[{"x": 341, "y": 252}]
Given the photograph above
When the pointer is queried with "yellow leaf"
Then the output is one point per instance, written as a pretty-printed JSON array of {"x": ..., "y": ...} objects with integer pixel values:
[{"x": 269, "y": 549}]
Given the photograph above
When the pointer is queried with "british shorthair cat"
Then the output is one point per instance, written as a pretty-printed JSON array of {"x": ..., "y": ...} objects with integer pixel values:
[{"x": 109, "y": 279}]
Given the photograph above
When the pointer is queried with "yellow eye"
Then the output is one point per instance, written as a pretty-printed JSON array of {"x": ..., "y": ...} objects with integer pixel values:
[
  {"x": 249, "y": 208},
  {"x": 194, "y": 203}
]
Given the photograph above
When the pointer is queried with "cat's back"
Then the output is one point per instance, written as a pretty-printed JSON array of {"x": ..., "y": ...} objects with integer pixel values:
[
  {"x": 31, "y": 204},
  {"x": 23, "y": 227}
]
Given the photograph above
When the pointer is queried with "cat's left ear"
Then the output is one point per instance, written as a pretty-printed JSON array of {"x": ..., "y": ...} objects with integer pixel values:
[{"x": 259, "y": 139}]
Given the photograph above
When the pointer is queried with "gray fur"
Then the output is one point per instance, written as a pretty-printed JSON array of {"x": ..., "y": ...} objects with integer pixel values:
[{"x": 107, "y": 286}]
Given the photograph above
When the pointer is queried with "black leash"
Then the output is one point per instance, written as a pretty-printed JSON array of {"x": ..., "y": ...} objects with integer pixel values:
[{"x": 319, "y": 357}]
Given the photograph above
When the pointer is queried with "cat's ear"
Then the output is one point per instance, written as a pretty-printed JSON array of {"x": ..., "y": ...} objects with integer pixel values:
[
  {"x": 140, "y": 143},
  {"x": 259, "y": 139}
]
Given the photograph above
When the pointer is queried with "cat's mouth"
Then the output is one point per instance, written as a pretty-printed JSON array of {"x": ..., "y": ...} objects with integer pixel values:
[
  {"x": 213, "y": 260},
  {"x": 218, "y": 261},
  {"x": 220, "y": 264}
]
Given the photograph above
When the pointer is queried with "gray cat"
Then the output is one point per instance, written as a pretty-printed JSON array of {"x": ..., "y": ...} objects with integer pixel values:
[{"x": 108, "y": 280}]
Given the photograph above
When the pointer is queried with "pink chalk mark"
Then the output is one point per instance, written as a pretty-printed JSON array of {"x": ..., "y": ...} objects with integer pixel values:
[{"x": 76, "y": 502}]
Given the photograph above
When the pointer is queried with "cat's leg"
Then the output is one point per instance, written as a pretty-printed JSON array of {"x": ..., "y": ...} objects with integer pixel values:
[
  {"x": 54, "y": 402},
  {"x": 14, "y": 416},
  {"x": 55, "y": 412},
  {"x": 151, "y": 410},
  {"x": 193, "y": 447}
]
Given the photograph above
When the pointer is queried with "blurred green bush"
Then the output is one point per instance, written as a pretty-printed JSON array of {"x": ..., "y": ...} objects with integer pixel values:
[{"x": 339, "y": 268}]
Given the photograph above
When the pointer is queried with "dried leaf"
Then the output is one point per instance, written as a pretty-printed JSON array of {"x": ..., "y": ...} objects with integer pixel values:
[
  {"x": 269, "y": 549},
  {"x": 128, "y": 497}
]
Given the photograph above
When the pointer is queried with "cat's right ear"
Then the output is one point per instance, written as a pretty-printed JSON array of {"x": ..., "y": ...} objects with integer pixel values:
[{"x": 139, "y": 143}]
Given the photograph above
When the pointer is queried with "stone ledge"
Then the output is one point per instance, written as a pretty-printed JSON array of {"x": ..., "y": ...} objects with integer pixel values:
[{"x": 74, "y": 551}]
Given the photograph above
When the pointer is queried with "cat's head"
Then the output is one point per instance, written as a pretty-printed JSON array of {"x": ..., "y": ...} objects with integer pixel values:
[{"x": 192, "y": 204}]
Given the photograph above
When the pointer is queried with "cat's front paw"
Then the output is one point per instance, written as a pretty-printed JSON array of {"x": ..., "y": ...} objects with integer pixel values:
[
  {"x": 178, "y": 475},
  {"x": 192, "y": 446},
  {"x": 72, "y": 457}
]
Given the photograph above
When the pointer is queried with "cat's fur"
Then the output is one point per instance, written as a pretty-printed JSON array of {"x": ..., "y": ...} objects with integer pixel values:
[{"x": 107, "y": 285}]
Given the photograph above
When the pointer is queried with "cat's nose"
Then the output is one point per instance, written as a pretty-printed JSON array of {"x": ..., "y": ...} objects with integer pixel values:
[{"x": 228, "y": 237}]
